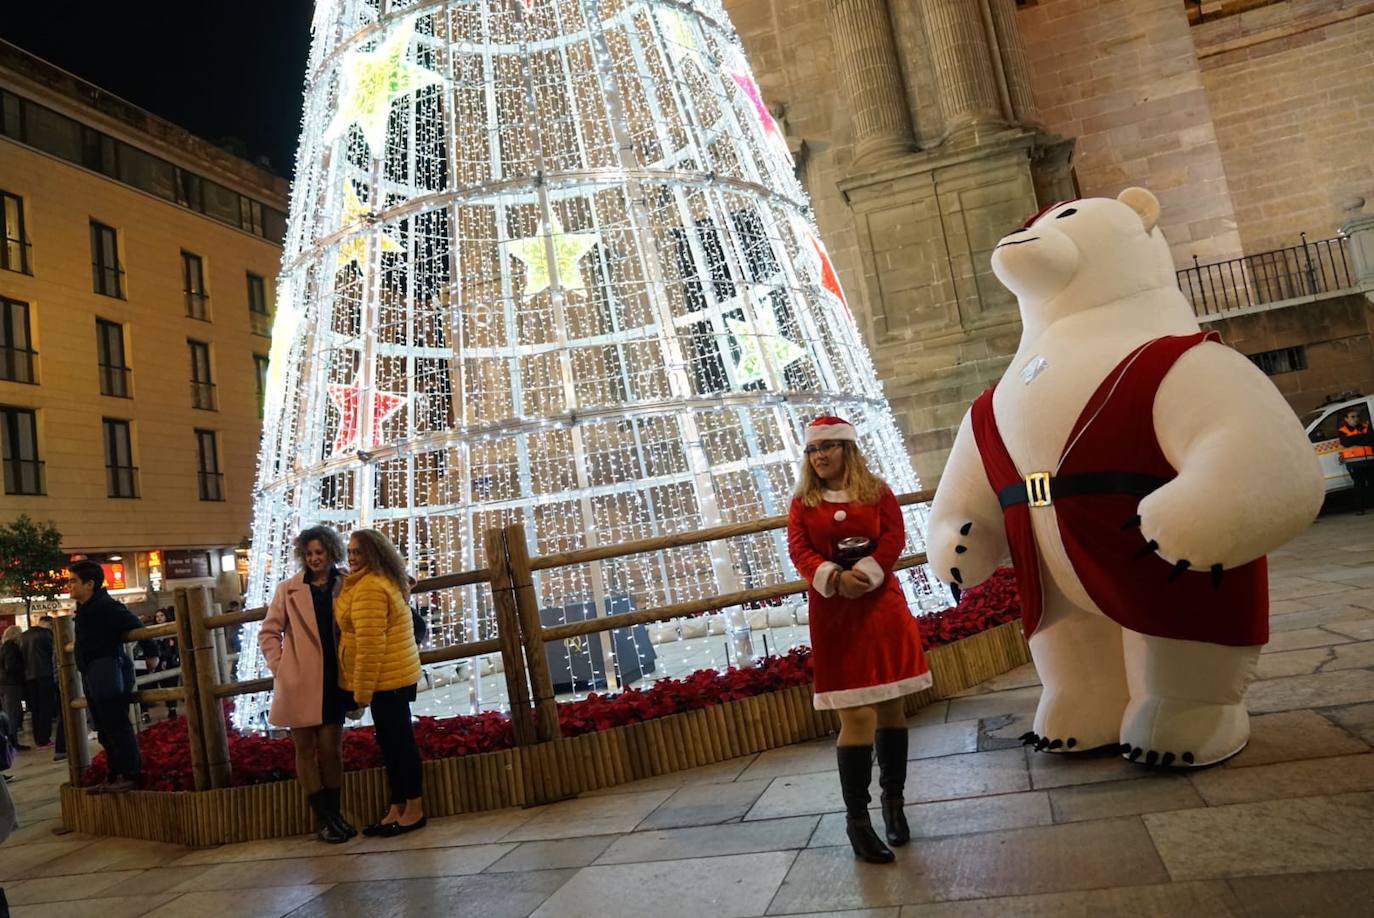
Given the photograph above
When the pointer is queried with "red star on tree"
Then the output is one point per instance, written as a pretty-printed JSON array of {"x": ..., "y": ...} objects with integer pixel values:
[
  {"x": 829, "y": 280},
  {"x": 348, "y": 400}
]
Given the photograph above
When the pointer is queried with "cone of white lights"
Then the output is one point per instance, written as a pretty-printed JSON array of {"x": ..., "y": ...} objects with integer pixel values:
[{"x": 548, "y": 262}]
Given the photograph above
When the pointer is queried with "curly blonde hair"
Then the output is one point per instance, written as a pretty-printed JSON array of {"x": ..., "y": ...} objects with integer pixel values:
[
  {"x": 380, "y": 555},
  {"x": 333, "y": 545},
  {"x": 861, "y": 484}
]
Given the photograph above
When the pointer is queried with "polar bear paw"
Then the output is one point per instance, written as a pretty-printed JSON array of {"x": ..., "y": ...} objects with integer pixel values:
[
  {"x": 977, "y": 549},
  {"x": 1178, "y": 733},
  {"x": 1064, "y": 723},
  {"x": 1181, "y": 565}
]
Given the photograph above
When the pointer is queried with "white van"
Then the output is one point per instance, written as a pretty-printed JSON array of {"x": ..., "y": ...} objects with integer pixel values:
[{"x": 1321, "y": 428}]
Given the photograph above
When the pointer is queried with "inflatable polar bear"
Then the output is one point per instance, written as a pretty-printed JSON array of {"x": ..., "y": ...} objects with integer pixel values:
[{"x": 1138, "y": 471}]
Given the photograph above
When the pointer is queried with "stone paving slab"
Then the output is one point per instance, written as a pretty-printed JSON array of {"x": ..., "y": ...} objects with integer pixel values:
[
  {"x": 1204, "y": 900},
  {"x": 741, "y": 885},
  {"x": 1270, "y": 837},
  {"x": 494, "y": 895},
  {"x": 953, "y": 817},
  {"x": 1123, "y": 798},
  {"x": 1340, "y": 894},
  {"x": 1291, "y": 735},
  {"x": 708, "y": 841},
  {"x": 1088, "y": 855}
]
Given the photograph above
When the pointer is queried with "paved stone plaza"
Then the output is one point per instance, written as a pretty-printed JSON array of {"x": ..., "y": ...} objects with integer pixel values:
[{"x": 1284, "y": 829}]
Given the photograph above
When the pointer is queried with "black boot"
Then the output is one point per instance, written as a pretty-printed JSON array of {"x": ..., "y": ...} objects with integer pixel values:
[
  {"x": 325, "y": 829},
  {"x": 856, "y": 771},
  {"x": 335, "y": 797},
  {"x": 891, "y": 745}
]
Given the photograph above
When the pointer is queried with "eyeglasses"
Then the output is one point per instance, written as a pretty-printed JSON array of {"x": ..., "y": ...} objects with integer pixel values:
[{"x": 821, "y": 448}]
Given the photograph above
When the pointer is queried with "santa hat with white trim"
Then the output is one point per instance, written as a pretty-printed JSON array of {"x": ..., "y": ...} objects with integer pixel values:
[{"x": 829, "y": 427}]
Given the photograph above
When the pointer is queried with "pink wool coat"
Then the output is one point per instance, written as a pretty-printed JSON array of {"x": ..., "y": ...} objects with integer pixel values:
[{"x": 290, "y": 643}]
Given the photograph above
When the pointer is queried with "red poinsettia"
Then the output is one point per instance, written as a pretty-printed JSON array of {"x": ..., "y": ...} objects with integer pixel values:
[{"x": 258, "y": 759}]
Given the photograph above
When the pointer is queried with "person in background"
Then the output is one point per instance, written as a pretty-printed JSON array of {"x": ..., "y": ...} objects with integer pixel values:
[
  {"x": 148, "y": 660},
  {"x": 297, "y": 639},
  {"x": 1357, "y": 454},
  {"x": 380, "y": 665},
  {"x": 844, "y": 533},
  {"x": 12, "y": 684},
  {"x": 40, "y": 688},
  {"x": 107, "y": 672},
  {"x": 9, "y": 821},
  {"x": 169, "y": 658},
  {"x": 233, "y": 637}
]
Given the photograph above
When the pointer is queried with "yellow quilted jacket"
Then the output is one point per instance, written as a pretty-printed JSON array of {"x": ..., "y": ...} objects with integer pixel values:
[{"x": 377, "y": 648}]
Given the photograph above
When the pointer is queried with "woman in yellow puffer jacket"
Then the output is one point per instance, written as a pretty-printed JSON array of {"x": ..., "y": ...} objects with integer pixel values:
[{"x": 380, "y": 665}]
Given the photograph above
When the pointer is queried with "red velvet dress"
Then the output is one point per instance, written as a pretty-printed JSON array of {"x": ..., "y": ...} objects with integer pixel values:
[
  {"x": 868, "y": 649},
  {"x": 1115, "y": 433}
]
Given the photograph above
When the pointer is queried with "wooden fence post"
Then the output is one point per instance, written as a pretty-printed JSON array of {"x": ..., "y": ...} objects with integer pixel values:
[
  {"x": 195, "y": 733},
  {"x": 508, "y": 632},
  {"x": 532, "y": 633},
  {"x": 207, "y": 669},
  {"x": 69, "y": 689}
]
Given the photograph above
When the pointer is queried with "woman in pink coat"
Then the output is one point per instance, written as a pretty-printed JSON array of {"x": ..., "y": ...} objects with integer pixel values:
[
  {"x": 299, "y": 643},
  {"x": 844, "y": 533}
]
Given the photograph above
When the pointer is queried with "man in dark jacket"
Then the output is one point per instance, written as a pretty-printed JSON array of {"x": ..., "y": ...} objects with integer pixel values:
[
  {"x": 40, "y": 689},
  {"x": 106, "y": 671}
]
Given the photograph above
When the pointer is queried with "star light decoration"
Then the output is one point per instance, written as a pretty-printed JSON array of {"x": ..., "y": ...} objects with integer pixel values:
[
  {"x": 353, "y": 250},
  {"x": 348, "y": 399},
  {"x": 763, "y": 333},
  {"x": 679, "y": 38},
  {"x": 372, "y": 80},
  {"x": 829, "y": 280},
  {"x": 772, "y": 133},
  {"x": 568, "y": 250}
]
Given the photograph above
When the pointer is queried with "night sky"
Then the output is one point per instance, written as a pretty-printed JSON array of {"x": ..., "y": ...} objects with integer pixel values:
[{"x": 219, "y": 68}]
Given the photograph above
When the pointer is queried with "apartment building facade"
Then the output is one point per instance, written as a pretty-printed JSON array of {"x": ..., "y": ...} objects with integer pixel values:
[{"x": 136, "y": 273}]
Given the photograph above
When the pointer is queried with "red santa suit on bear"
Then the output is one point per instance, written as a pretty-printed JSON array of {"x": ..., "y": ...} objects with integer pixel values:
[{"x": 868, "y": 649}]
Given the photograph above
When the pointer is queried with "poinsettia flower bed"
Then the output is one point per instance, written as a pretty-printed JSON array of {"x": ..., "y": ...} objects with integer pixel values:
[{"x": 259, "y": 759}]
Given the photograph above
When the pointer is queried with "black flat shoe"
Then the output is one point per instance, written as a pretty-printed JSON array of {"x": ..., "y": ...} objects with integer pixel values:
[
  {"x": 395, "y": 828},
  {"x": 379, "y": 829}
]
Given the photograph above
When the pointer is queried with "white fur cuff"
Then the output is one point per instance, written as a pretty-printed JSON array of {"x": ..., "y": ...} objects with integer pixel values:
[
  {"x": 872, "y": 570},
  {"x": 821, "y": 582}
]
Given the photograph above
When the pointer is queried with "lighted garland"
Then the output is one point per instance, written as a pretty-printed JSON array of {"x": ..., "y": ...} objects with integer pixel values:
[{"x": 548, "y": 262}]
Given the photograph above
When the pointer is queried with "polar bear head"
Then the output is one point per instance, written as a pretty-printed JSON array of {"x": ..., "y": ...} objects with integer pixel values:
[{"x": 1087, "y": 253}]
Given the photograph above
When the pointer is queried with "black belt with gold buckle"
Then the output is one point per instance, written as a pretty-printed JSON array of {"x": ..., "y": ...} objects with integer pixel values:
[{"x": 1041, "y": 489}]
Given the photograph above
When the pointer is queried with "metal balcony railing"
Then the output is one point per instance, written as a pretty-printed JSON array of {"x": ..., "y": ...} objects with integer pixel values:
[
  {"x": 23, "y": 476},
  {"x": 16, "y": 364},
  {"x": 211, "y": 485},
  {"x": 260, "y": 323},
  {"x": 203, "y": 395},
  {"x": 114, "y": 381},
  {"x": 122, "y": 480},
  {"x": 198, "y": 305},
  {"x": 1309, "y": 269}
]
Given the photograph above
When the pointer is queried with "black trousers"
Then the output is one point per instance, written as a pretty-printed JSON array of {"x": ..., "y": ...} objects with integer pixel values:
[
  {"x": 116, "y": 735},
  {"x": 1362, "y": 473},
  {"x": 396, "y": 737},
  {"x": 41, "y": 709}
]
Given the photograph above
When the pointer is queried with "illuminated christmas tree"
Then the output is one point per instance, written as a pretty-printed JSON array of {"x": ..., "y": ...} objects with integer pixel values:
[{"x": 548, "y": 262}]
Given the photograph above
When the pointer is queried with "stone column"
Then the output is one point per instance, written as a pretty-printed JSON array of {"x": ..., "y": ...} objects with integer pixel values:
[
  {"x": 1015, "y": 70},
  {"x": 871, "y": 79},
  {"x": 966, "y": 74}
]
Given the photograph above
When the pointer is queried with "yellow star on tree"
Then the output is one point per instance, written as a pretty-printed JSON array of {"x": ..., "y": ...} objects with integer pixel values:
[
  {"x": 752, "y": 339},
  {"x": 372, "y": 80},
  {"x": 568, "y": 249},
  {"x": 354, "y": 248}
]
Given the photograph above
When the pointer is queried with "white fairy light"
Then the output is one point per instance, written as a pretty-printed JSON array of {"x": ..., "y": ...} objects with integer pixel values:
[{"x": 562, "y": 274}]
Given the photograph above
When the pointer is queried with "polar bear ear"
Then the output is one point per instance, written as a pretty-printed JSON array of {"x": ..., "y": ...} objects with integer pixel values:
[{"x": 1143, "y": 203}]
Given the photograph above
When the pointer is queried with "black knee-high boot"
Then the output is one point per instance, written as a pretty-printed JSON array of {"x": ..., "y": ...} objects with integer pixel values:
[
  {"x": 335, "y": 797},
  {"x": 856, "y": 772},
  {"x": 891, "y": 746},
  {"x": 325, "y": 828}
]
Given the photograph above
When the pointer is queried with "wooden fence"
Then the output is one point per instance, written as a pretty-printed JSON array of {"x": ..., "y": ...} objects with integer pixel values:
[{"x": 520, "y": 642}]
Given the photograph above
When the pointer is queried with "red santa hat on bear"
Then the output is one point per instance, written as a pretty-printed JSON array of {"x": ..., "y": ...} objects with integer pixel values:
[{"x": 829, "y": 427}]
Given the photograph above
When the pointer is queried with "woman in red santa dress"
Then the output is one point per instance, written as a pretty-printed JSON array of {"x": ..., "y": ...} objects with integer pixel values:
[{"x": 844, "y": 533}]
